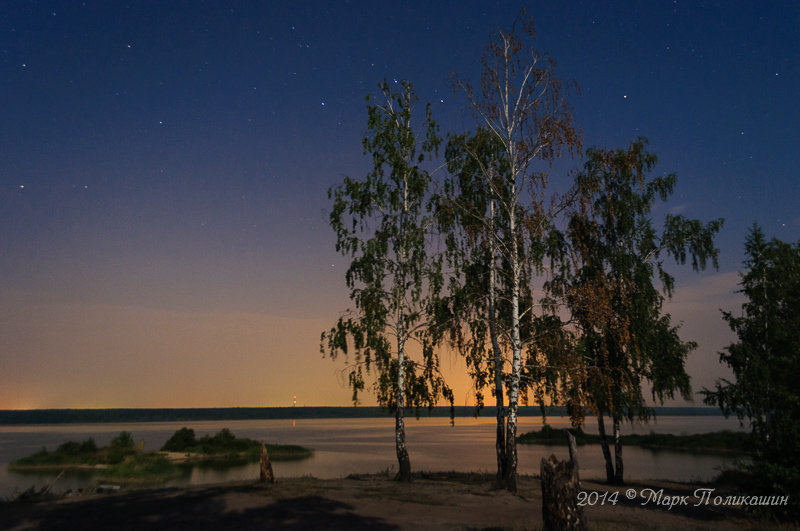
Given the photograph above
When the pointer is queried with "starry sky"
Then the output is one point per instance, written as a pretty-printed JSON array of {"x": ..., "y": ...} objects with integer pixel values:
[{"x": 164, "y": 169}]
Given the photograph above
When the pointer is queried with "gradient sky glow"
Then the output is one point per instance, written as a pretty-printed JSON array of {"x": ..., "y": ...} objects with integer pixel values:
[{"x": 164, "y": 169}]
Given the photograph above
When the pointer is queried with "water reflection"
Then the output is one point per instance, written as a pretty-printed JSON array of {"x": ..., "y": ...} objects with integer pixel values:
[{"x": 356, "y": 446}]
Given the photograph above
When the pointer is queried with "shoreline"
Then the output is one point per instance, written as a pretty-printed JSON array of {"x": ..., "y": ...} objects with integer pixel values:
[{"x": 447, "y": 500}]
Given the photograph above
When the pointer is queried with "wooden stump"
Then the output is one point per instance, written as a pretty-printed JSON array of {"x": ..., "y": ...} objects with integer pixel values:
[
  {"x": 265, "y": 466},
  {"x": 560, "y": 487}
]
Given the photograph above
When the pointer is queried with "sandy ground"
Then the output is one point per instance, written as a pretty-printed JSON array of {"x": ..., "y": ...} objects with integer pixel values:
[{"x": 433, "y": 501}]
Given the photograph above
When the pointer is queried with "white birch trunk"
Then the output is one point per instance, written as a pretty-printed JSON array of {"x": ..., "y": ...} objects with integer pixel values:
[
  {"x": 500, "y": 444},
  {"x": 403, "y": 461},
  {"x": 617, "y": 452},
  {"x": 516, "y": 360}
]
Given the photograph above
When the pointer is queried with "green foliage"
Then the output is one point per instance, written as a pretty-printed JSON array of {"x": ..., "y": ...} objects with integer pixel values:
[
  {"x": 469, "y": 217},
  {"x": 181, "y": 441},
  {"x": 123, "y": 441},
  {"x": 221, "y": 450},
  {"x": 225, "y": 442},
  {"x": 121, "y": 447},
  {"x": 78, "y": 453},
  {"x": 501, "y": 219},
  {"x": 766, "y": 362},
  {"x": 72, "y": 448},
  {"x": 142, "y": 466},
  {"x": 88, "y": 446},
  {"x": 625, "y": 337},
  {"x": 382, "y": 224},
  {"x": 83, "y": 453},
  {"x": 68, "y": 453}
]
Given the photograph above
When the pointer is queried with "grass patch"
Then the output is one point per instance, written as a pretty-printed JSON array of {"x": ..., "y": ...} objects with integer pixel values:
[
  {"x": 714, "y": 442},
  {"x": 145, "y": 466}
]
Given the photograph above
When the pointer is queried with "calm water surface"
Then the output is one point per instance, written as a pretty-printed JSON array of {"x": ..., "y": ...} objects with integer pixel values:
[{"x": 352, "y": 446}]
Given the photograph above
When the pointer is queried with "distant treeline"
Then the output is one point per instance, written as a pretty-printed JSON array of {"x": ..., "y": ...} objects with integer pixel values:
[{"x": 78, "y": 416}]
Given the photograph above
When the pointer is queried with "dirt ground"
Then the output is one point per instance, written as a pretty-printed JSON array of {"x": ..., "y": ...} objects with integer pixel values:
[{"x": 431, "y": 501}]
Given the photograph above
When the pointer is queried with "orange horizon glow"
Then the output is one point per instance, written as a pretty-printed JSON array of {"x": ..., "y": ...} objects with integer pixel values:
[{"x": 96, "y": 356}]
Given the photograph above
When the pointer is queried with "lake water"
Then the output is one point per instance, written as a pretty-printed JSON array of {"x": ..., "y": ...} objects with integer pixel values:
[{"x": 353, "y": 446}]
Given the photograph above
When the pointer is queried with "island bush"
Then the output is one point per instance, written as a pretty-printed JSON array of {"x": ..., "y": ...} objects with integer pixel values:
[
  {"x": 68, "y": 453},
  {"x": 123, "y": 459},
  {"x": 121, "y": 447},
  {"x": 182, "y": 440},
  {"x": 225, "y": 445}
]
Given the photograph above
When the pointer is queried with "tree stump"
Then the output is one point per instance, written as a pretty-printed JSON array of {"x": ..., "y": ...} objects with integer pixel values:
[
  {"x": 265, "y": 466},
  {"x": 560, "y": 487}
]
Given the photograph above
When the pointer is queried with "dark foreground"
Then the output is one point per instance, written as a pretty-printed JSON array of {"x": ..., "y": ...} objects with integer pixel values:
[{"x": 431, "y": 501}]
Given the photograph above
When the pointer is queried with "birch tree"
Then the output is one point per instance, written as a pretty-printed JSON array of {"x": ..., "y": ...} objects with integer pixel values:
[
  {"x": 625, "y": 337},
  {"x": 520, "y": 104},
  {"x": 382, "y": 224},
  {"x": 469, "y": 220}
]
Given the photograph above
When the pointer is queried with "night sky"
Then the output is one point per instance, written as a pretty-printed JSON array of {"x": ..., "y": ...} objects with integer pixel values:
[{"x": 164, "y": 169}]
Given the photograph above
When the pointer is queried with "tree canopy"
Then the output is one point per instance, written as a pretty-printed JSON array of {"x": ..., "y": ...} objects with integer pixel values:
[
  {"x": 765, "y": 361},
  {"x": 382, "y": 223},
  {"x": 617, "y": 256},
  {"x": 500, "y": 200}
]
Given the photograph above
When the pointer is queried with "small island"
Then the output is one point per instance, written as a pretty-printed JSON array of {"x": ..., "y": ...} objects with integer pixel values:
[
  {"x": 225, "y": 446},
  {"x": 124, "y": 460}
]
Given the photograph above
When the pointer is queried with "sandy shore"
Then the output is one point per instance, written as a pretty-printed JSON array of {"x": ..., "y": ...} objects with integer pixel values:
[{"x": 431, "y": 501}]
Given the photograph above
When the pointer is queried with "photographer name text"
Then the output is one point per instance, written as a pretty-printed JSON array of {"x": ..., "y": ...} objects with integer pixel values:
[{"x": 700, "y": 497}]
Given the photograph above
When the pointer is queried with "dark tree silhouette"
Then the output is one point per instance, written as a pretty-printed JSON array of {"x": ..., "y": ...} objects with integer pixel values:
[
  {"x": 526, "y": 123},
  {"x": 766, "y": 363},
  {"x": 382, "y": 223},
  {"x": 624, "y": 336}
]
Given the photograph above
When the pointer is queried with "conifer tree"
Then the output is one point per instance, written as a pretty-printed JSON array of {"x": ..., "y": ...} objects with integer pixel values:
[{"x": 765, "y": 361}]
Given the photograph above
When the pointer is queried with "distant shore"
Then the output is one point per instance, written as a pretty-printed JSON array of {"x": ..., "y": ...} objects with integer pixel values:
[{"x": 90, "y": 416}]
